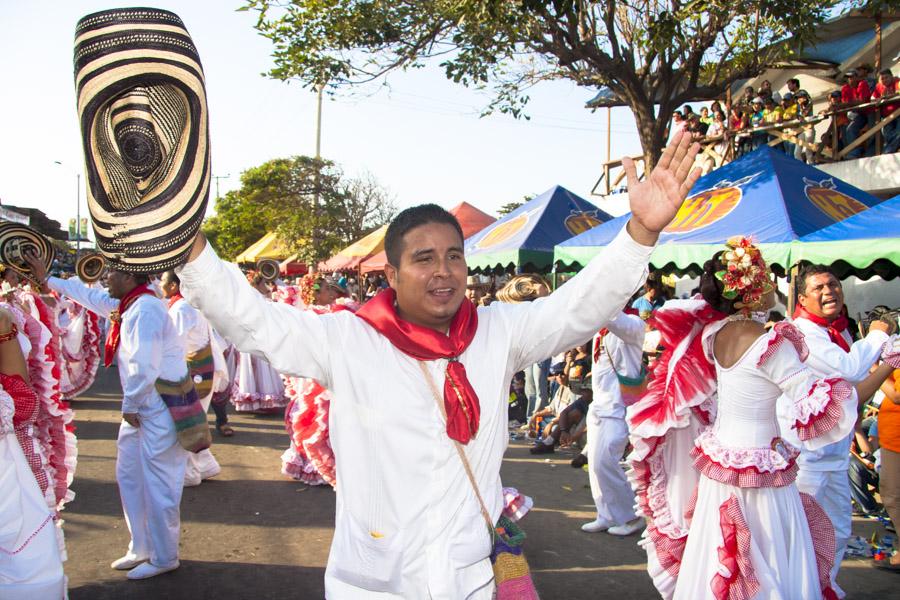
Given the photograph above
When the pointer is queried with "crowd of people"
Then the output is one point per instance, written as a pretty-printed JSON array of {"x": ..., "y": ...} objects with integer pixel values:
[
  {"x": 723, "y": 437},
  {"x": 757, "y": 113}
]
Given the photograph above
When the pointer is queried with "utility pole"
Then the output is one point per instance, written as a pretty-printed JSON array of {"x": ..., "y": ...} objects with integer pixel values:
[
  {"x": 318, "y": 157},
  {"x": 77, "y": 213},
  {"x": 217, "y": 178}
]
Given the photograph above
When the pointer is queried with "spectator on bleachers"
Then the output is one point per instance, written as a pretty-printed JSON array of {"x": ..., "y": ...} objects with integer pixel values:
[
  {"x": 706, "y": 117},
  {"x": 806, "y": 133},
  {"x": 838, "y": 123},
  {"x": 886, "y": 87},
  {"x": 853, "y": 93},
  {"x": 793, "y": 86},
  {"x": 788, "y": 113},
  {"x": 765, "y": 90}
]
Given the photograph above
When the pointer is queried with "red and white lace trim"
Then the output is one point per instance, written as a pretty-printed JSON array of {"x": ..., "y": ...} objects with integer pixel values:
[
  {"x": 820, "y": 411},
  {"x": 773, "y": 466},
  {"x": 736, "y": 579},
  {"x": 784, "y": 332}
]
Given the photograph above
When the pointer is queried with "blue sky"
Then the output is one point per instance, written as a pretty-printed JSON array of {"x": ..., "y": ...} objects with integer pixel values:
[{"x": 420, "y": 135}]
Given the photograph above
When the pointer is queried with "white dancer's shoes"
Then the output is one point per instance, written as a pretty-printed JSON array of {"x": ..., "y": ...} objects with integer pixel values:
[
  {"x": 147, "y": 570},
  {"x": 211, "y": 472},
  {"x": 127, "y": 563},
  {"x": 628, "y": 528},
  {"x": 596, "y": 526}
]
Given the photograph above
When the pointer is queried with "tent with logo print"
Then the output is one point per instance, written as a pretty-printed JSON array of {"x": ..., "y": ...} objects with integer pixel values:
[
  {"x": 524, "y": 239},
  {"x": 863, "y": 245},
  {"x": 774, "y": 198}
]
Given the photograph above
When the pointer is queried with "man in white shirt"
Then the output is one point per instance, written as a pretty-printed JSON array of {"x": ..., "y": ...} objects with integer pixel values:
[
  {"x": 617, "y": 351},
  {"x": 820, "y": 315},
  {"x": 205, "y": 364},
  {"x": 150, "y": 462},
  {"x": 386, "y": 424}
]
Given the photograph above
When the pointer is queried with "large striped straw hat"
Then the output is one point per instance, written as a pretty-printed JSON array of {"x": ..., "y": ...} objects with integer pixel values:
[
  {"x": 90, "y": 267},
  {"x": 142, "y": 108},
  {"x": 15, "y": 241}
]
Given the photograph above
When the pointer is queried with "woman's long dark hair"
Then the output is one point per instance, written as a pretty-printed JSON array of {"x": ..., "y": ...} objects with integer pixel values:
[{"x": 711, "y": 288}]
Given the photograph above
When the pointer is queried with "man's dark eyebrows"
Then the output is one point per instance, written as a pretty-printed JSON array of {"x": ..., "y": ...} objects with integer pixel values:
[
  {"x": 422, "y": 252},
  {"x": 456, "y": 249}
]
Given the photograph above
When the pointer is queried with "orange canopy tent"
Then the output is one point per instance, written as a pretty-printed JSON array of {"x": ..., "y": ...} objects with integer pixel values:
[
  {"x": 470, "y": 219},
  {"x": 351, "y": 256}
]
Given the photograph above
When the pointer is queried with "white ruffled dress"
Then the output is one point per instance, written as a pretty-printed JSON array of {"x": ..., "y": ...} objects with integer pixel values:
[{"x": 752, "y": 534}]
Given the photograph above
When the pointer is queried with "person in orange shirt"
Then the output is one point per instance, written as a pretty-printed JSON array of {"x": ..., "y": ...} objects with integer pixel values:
[
  {"x": 889, "y": 439},
  {"x": 888, "y": 86}
]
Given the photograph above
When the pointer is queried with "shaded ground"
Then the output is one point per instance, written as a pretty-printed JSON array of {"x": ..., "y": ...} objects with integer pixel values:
[{"x": 250, "y": 533}]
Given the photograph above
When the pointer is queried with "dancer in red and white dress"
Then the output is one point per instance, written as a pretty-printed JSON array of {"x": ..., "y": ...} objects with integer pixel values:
[
  {"x": 79, "y": 344},
  {"x": 54, "y": 428},
  {"x": 749, "y": 532},
  {"x": 31, "y": 548},
  {"x": 309, "y": 458},
  {"x": 258, "y": 387}
]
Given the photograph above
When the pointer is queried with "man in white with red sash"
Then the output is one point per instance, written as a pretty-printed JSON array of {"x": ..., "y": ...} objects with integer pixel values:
[
  {"x": 149, "y": 462},
  {"x": 205, "y": 364},
  {"x": 617, "y": 351},
  {"x": 821, "y": 316},
  {"x": 408, "y": 522}
]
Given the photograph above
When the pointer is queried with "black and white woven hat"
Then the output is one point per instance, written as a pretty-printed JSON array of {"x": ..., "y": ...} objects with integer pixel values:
[
  {"x": 268, "y": 269},
  {"x": 17, "y": 239},
  {"x": 90, "y": 267},
  {"x": 144, "y": 125}
]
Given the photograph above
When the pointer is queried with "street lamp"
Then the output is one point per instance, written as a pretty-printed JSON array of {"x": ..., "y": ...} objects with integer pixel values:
[{"x": 77, "y": 208}]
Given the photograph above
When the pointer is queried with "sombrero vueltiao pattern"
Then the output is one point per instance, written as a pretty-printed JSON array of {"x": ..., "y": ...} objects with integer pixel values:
[
  {"x": 15, "y": 241},
  {"x": 143, "y": 115},
  {"x": 90, "y": 267},
  {"x": 268, "y": 269}
]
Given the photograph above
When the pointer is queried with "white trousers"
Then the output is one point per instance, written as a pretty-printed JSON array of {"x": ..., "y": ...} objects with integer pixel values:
[
  {"x": 199, "y": 463},
  {"x": 150, "y": 473},
  {"x": 606, "y": 441},
  {"x": 831, "y": 489}
]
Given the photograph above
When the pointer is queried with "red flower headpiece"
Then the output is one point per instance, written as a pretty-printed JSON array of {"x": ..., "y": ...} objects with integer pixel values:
[{"x": 745, "y": 274}]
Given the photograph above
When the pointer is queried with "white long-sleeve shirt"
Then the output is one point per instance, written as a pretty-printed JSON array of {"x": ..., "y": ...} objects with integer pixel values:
[
  {"x": 624, "y": 344},
  {"x": 149, "y": 346},
  {"x": 408, "y": 524},
  {"x": 190, "y": 324},
  {"x": 827, "y": 359}
]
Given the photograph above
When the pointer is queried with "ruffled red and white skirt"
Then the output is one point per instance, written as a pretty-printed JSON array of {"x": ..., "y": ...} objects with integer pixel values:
[{"x": 309, "y": 458}]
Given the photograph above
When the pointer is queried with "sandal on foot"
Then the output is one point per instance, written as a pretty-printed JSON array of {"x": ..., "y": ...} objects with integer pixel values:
[{"x": 225, "y": 430}]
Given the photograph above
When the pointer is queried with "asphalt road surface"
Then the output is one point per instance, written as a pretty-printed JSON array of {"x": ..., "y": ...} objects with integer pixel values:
[{"x": 251, "y": 533}]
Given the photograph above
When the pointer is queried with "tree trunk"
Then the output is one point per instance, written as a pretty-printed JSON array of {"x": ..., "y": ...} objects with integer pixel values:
[{"x": 652, "y": 132}]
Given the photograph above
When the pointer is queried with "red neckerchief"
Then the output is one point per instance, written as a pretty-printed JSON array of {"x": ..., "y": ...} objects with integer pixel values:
[
  {"x": 834, "y": 327},
  {"x": 422, "y": 343},
  {"x": 598, "y": 345},
  {"x": 173, "y": 299},
  {"x": 115, "y": 317}
]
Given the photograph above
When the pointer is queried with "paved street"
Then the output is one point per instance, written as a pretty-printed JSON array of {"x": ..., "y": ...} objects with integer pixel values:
[{"x": 250, "y": 533}]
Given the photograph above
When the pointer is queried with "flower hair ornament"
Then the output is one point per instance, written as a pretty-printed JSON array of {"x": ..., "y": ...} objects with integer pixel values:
[
  {"x": 309, "y": 285},
  {"x": 745, "y": 275}
]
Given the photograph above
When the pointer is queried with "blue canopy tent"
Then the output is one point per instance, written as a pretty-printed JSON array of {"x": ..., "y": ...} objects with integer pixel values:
[
  {"x": 525, "y": 237},
  {"x": 863, "y": 245},
  {"x": 765, "y": 194}
]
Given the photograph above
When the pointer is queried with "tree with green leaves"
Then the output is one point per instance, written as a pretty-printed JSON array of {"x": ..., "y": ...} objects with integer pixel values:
[
  {"x": 652, "y": 55},
  {"x": 306, "y": 202}
]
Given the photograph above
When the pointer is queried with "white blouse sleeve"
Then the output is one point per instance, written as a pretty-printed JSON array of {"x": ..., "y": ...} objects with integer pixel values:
[{"x": 823, "y": 410}]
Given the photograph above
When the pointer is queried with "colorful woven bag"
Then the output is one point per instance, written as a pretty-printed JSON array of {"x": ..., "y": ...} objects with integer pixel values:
[
  {"x": 632, "y": 388},
  {"x": 201, "y": 369},
  {"x": 511, "y": 572},
  {"x": 187, "y": 412}
]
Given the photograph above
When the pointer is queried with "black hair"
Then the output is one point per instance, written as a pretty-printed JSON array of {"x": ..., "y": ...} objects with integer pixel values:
[
  {"x": 886, "y": 72},
  {"x": 173, "y": 277},
  {"x": 410, "y": 219},
  {"x": 808, "y": 271},
  {"x": 711, "y": 288},
  {"x": 141, "y": 278},
  {"x": 794, "y": 80}
]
